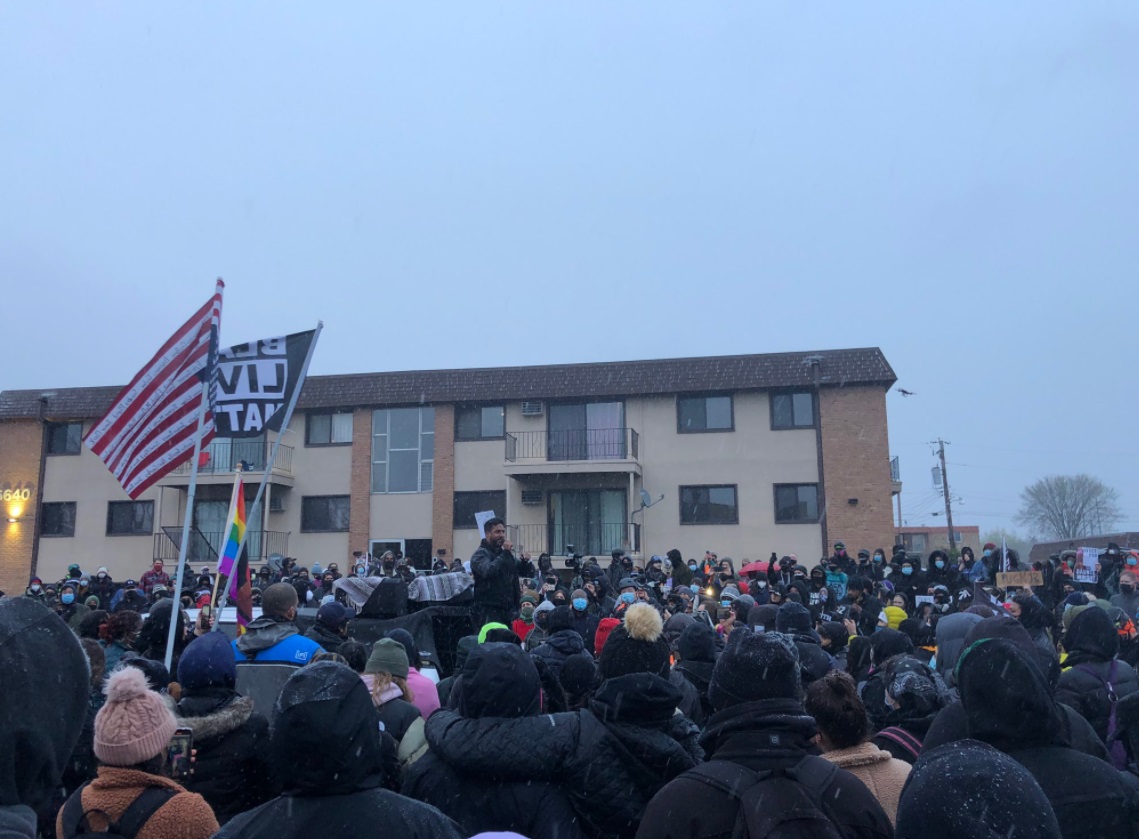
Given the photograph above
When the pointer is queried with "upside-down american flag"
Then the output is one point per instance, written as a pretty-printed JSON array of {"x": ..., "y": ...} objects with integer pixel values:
[{"x": 150, "y": 428}]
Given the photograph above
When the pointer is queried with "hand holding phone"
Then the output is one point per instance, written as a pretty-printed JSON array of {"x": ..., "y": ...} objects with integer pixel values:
[{"x": 179, "y": 754}]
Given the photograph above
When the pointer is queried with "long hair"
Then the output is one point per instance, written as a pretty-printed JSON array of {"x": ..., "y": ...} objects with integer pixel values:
[
  {"x": 380, "y": 683},
  {"x": 121, "y": 627}
]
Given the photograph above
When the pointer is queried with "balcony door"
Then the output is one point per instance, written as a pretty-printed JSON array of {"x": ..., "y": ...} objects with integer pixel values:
[
  {"x": 593, "y": 521},
  {"x": 210, "y": 519},
  {"x": 592, "y": 431}
]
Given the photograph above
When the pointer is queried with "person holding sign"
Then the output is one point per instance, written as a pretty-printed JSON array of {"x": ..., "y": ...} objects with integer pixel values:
[{"x": 496, "y": 572}]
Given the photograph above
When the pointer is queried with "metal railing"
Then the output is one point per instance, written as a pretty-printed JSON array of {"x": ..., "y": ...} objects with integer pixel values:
[
  {"x": 587, "y": 540},
  {"x": 222, "y": 456},
  {"x": 895, "y": 470},
  {"x": 577, "y": 444},
  {"x": 204, "y": 547}
]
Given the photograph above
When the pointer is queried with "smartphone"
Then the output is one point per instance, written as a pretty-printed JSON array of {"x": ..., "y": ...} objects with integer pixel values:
[
  {"x": 704, "y": 616},
  {"x": 207, "y": 611},
  {"x": 178, "y": 754}
]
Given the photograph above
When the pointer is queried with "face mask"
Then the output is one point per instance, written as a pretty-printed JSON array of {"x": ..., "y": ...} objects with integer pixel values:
[
  {"x": 986, "y": 553},
  {"x": 157, "y": 569},
  {"x": 939, "y": 564},
  {"x": 628, "y": 597},
  {"x": 725, "y": 604},
  {"x": 907, "y": 570},
  {"x": 1132, "y": 560},
  {"x": 36, "y": 587},
  {"x": 360, "y": 569},
  {"x": 761, "y": 583},
  {"x": 878, "y": 557},
  {"x": 68, "y": 599},
  {"x": 102, "y": 576},
  {"x": 527, "y": 613},
  {"x": 1127, "y": 589},
  {"x": 695, "y": 589},
  {"x": 580, "y": 603}
]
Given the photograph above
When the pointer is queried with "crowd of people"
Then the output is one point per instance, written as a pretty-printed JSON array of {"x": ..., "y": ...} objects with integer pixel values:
[{"x": 863, "y": 696}]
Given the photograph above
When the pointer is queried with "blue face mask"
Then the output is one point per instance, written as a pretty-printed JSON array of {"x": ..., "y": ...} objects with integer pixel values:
[
  {"x": 628, "y": 597},
  {"x": 692, "y": 567},
  {"x": 580, "y": 603},
  {"x": 907, "y": 570},
  {"x": 986, "y": 554},
  {"x": 939, "y": 564},
  {"x": 878, "y": 557},
  {"x": 1132, "y": 560},
  {"x": 725, "y": 604},
  {"x": 67, "y": 599},
  {"x": 694, "y": 588}
]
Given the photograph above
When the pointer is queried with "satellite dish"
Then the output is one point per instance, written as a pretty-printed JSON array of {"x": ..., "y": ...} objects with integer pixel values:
[{"x": 646, "y": 499}]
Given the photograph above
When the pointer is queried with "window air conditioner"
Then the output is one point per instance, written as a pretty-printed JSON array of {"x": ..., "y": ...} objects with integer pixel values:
[{"x": 533, "y": 409}]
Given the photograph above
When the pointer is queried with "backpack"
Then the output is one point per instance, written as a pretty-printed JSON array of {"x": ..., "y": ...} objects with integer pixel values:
[
  {"x": 129, "y": 824},
  {"x": 1115, "y": 748},
  {"x": 777, "y": 804},
  {"x": 901, "y": 737}
]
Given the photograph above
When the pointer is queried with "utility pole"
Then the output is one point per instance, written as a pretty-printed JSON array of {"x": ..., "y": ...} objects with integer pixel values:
[{"x": 945, "y": 492}]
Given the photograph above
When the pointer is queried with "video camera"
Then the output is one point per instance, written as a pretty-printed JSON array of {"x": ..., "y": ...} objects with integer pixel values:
[{"x": 574, "y": 558}]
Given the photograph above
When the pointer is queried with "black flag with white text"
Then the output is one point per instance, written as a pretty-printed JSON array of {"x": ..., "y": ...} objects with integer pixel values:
[{"x": 255, "y": 383}]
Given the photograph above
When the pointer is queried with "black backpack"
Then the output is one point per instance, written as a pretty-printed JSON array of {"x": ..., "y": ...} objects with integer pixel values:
[
  {"x": 779, "y": 804},
  {"x": 127, "y": 827}
]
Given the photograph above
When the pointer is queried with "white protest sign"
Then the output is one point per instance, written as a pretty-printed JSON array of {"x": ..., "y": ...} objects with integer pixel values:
[
  {"x": 923, "y": 598},
  {"x": 481, "y": 519},
  {"x": 1086, "y": 559}
]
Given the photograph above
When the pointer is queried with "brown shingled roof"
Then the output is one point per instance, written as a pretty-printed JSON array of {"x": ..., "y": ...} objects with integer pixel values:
[{"x": 496, "y": 384}]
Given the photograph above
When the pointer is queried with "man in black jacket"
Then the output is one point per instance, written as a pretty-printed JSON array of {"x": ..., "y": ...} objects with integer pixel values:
[
  {"x": 496, "y": 572},
  {"x": 759, "y": 726}
]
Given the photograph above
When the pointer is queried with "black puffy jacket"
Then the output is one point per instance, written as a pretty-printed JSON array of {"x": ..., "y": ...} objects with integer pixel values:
[
  {"x": 1093, "y": 644},
  {"x": 558, "y": 647},
  {"x": 612, "y": 757},
  {"x": 329, "y": 641},
  {"x": 496, "y": 575}
]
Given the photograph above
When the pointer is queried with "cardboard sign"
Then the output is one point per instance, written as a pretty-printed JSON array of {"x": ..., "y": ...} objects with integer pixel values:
[
  {"x": 1022, "y": 579},
  {"x": 481, "y": 519},
  {"x": 1086, "y": 559}
]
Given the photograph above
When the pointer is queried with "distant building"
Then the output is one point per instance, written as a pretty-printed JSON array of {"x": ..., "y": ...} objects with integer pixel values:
[
  {"x": 1042, "y": 550},
  {"x": 923, "y": 540}
]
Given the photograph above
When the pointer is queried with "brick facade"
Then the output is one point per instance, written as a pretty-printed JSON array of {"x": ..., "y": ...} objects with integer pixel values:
[
  {"x": 443, "y": 496},
  {"x": 360, "y": 482},
  {"x": 21, "y": 452},
  {"x": 856, "y": 464}
]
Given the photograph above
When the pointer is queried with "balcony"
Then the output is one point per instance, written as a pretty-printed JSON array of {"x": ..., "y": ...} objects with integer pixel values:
[
  {"x": 221, "y": 458},
  {"x": 576, "y": 450},
  {"x": 204, "y": 547},
  {"x": 587, "y": 540}
]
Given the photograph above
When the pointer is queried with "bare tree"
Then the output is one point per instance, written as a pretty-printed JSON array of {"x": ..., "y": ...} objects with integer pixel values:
[
  {"x": 1069, "y": 506},
  {"x": 1012, "y": 540}
]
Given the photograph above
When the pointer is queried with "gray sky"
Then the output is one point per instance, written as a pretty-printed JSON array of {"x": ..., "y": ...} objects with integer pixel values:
[{"x": 490, "y": 183}]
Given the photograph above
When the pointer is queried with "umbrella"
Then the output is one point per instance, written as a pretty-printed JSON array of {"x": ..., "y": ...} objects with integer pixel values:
[{"x": 754, "y": 568}]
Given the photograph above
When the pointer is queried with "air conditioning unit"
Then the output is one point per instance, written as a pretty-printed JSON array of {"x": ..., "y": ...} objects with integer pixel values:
[
  {"x": 276, "y": 503},
  {"x": 533, "y": 409},
  {"x": 531, "y": 498}
]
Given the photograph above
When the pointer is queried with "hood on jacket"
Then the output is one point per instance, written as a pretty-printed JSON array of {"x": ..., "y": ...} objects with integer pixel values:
[
  {"x": 566, "y": 642},
  {"x": 698, "y": 643},
  {"x": 950, "y": 635},
  {"x": 499, "y": 680},
  {"x": 887, "y": 643},
  {"x": 1012, "y": 630},
  {"x": 1092, "y": 636},
  {"x": 43, "y": 702},
  {"x": 325, "y": 737},
  {"x": 643, "y": 699},
  {"x": 1006, "y": 698},
  {"x": 263, "y": 633},
  {"x": 674, "y": 627}
]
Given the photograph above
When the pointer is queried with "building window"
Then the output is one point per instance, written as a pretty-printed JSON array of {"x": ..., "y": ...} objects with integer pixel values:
[
  {"x": 328, "y": 429},
  {"x": 793, "y": 410},
  {"x": 403, "y": 450},
  {"x": 469, "y": 503},
  {"x": 704, "y": 413},
  {"x": 915, "y": 542},
  {"x": 324, "y": 513},
  {"x": 64, "y": 437},
  {"x": 709, "y": 505},
  {"x": 796, "y": 503},
  {"x": 480, "y": 423},
  {"x": 57, "y": 519},
  {"x": 130, "y": 518}
]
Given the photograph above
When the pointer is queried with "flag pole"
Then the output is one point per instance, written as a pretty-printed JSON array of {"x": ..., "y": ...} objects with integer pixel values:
[
  {"x": 272, "y": 460},
  {"x": 187, "y": 523}
]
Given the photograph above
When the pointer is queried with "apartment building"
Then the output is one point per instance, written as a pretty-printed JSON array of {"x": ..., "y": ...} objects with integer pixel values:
[
  {"x": 742, "y": 455},
  {"x": 923, "y": 540}
]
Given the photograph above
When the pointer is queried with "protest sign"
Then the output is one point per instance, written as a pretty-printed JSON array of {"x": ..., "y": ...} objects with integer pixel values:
[
  {"x": 481, "y": 519},
  {"x": 923, "y": 598},
  {"x": 1021, "y": 579},
  {"x": 1086, "y": 559}
]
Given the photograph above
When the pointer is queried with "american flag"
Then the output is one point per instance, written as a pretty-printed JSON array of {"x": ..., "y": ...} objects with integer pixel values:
[{"x": 150, "y": 428}]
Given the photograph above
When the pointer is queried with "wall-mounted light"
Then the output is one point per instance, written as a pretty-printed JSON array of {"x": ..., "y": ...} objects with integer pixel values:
[{"x": 12, "y": 519}]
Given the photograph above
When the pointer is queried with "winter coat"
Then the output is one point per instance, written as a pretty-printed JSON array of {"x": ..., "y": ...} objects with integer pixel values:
[
  {"x": 814, "y": 661},
  {"x": 270, "y": 638},
  {"x": 612, "y": 757},
  {"x": 424, "y": 692},
  {"x": 693, "y": 678},
  {"x": 153, "y": 578},
  {"x": 326, "y": 749},
  {"x": 232, "y": 742},
  {"x": 1008, "y": 705},
  {"x": 328, "y": 640},
  {"x": 1129, "y": 603},
  {"x": 185, "y": 816},
  {"x": 113, "y": 651},
  {"x": 585, "y": 625},
  {"x": 917, "y": 726},
  {"x": 950, "y": 633},
  {"x": 761, "y": 736},
  {"x": 496, "y": 575},
  {"x": 1092, "y": 644},
  {"x": 401, "y": 719},
  {"x": 883, "y": 775},
  {"x": 558, "y": 647}
]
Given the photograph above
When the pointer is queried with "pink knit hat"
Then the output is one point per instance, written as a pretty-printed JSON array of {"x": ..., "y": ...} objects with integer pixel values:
[{"x": 135, "y": 725}]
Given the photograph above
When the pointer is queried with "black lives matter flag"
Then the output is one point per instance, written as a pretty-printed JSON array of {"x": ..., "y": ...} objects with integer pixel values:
[{"x": 256, "y": 382}]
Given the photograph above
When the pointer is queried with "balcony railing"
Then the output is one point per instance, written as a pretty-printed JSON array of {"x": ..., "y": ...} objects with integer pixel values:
[
  {"x": 895, "y": 470},
  {"x": 578, "y": 444},
  {"x": 588, "y": 540},
  {"x": 204, "y": 547},
  {"x": 224, "y": 456}
]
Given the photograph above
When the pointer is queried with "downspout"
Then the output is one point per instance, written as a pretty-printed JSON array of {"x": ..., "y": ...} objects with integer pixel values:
[
  {"x": 816, "y": 362},
  {"x": 41, "y": 415}
]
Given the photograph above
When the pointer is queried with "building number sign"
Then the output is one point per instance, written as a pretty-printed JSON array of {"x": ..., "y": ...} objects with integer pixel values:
[{"x": 21, "y": 491}]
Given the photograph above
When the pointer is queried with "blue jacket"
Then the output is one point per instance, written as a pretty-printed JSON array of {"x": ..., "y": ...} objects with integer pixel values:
[{"x": 271, "y": 639}]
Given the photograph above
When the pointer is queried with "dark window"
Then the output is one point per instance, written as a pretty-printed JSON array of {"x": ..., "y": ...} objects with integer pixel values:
[
  {"x": 57, "y": 519},
  {"x": 704, "y": 413},
  {"x": 796, "y": 503},
  {"x": 480, "y": 423},
  {"x": 324, "y": 513},
  {"x": 793, "y": 410},
  {"x": 64, "y": 437},
  {"x": 328, "y": 429},
  {"x": 469, "y": 503},
  {"x": 709, "y": 505},
  {"x": 130, "y": 518}
]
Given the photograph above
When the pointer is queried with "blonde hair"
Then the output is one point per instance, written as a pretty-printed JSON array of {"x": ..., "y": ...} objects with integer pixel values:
[{"x": 380, "y": 683}]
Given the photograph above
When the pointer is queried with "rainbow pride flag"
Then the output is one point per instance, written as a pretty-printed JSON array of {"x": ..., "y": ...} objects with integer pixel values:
[{"x": 234, "y": 529}]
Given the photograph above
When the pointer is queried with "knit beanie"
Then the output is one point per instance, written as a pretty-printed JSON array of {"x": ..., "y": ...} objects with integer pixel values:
[
  {"x": 529, "y": 597},
  {"x": 488, "y": 627},
  {"x": 793, "y": 618},
  {"x": 1071, "y": 613},
  {"x": 559, "y": 619},
  {"x": 388, "y": 656},
  {"x": 604, "y": 628},
  {"x": 207, "y": 662},
  {"x": 755, "y": 666},
  {"x": 134, "y": 725},
  {"x": 638, "y": 646},
  {"x": 894, "y": 616}
]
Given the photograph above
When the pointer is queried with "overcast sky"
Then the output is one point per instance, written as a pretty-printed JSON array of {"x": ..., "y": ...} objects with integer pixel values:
[{"x": 497, "y": 183}]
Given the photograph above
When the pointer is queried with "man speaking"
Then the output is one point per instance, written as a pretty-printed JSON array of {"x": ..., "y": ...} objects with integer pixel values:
[{"x": 496, "y": 572}]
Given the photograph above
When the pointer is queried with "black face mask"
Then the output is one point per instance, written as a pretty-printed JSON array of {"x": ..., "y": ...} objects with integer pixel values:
[{"x": 1127, "y": 589}]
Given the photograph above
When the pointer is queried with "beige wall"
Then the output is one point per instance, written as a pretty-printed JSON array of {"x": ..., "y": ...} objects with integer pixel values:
[
  {"x": 401, "y": 516},
  {"x": 318, "y": 470}
]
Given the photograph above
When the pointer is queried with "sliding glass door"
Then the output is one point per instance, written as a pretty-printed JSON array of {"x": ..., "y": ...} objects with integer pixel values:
[
  {"x": 593, "y": 431},
  {"x": 593, "y": 521}
]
